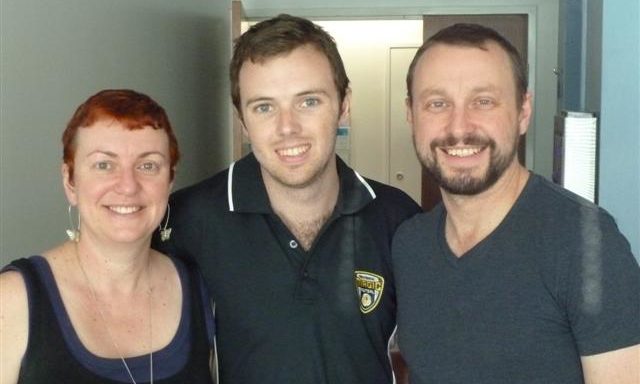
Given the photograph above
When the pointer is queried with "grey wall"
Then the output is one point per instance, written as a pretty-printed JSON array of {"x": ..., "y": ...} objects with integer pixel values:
[
  {"x": 592, "y": 38},
  {"x": 570, "y": 56},
  {"x": 56, "y": 53}
]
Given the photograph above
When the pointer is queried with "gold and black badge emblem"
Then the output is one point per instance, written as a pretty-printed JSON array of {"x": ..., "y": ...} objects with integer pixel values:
[{"x": 369, "y": 287}]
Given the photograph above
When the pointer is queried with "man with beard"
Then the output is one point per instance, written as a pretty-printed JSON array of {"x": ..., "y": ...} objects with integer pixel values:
[
  {"x": 294, "y": 245},
  {"x": 511, "y": 279}
]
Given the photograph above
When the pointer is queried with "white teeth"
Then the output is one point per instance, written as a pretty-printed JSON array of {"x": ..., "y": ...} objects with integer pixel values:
[
  {"x": 462, "y": 152},
  {"x": 125, "y": 210},
  {"x": 295, "y": 151}
]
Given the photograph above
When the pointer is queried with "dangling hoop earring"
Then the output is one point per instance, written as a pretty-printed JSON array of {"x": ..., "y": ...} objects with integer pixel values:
[
  {"x": 165, "y": 232},
  {"x": 73, "y": 232}
]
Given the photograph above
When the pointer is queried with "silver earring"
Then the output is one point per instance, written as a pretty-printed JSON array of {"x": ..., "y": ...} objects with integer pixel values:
[
  {"x": 73, "y": 232},
  {"x": 165, "y": 233}
]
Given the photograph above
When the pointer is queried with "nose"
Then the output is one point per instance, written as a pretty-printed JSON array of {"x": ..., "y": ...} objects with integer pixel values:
[
  {"x": 288, "y": 122},
  {"x": 459, "y": 124},
  {"x": 127, "y": 182}
]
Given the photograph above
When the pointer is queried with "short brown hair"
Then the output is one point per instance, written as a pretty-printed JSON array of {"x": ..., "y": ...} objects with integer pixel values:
[
  {"x": 474, "y": 35},
  {"x": 280, "y": 35},
  {"x": 132, "y": 109}
]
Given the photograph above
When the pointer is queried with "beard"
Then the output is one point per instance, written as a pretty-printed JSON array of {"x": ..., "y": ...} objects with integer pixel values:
[{"x": 462, "y": 182}]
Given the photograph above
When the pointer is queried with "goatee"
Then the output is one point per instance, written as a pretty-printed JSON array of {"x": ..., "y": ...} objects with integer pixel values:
[{"x": 463, "y": 182}]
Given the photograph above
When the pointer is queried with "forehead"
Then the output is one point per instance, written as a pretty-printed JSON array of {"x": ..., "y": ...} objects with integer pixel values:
[
  {"x": 446, "y": 66},
  {"x": 299, "y": 70},
  {"x": 110, "y": 135}
]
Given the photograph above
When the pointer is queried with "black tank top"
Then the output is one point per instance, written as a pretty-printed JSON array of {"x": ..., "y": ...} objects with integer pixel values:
[{"x": 49, "y": 360}]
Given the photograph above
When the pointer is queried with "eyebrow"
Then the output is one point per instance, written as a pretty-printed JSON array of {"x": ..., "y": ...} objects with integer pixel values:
[
  {"x": 256, "y": 100},
  {"x": 313, "y": 92},
  {"x": 442, "y": 92},
  {"x": 114, "y": 155},
  {"x": 485, "y": 88},
  {"x": 150, "y": 153},
  {"x": 431, "y": 92},
  {"x": 101, "y": 152}
]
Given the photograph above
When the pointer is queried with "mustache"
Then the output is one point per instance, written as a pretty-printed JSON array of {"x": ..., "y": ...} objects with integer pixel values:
[{"x": 471, "y": 139}]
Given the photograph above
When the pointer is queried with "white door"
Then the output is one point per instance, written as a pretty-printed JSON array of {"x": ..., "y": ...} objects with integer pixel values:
[{"x": 405, "y": 171}]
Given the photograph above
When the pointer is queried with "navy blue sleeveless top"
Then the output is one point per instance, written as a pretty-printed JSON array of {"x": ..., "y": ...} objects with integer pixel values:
[{"x": 55, "y": 354}]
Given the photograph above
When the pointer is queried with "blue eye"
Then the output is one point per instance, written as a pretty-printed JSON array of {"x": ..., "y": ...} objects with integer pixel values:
[
  {"x": 310, "y": 102},
  {"x": 262, "y": 108},
  {"x": 436, "y": 105}
]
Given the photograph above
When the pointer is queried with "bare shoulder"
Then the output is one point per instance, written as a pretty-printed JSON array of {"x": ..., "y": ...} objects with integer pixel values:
[
  {"x": 160, "y": 260},
  {"x": 13, "y": 294},
  {"x": 14, "y": 324},
  {"x": 164, "y": 269}
]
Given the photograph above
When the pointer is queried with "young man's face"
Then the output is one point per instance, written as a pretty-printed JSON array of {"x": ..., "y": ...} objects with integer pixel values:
[
  {"x": 290, "y": 108},
  {"x": 465, "y": 118}
]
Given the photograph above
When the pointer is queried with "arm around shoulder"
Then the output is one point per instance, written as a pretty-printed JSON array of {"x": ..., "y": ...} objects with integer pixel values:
[
  {"x": 14, "y": 325},
  {"x": 621, "y": 366}
]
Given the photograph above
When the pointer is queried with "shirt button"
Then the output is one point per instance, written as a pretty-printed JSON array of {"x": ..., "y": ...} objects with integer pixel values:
[{"x": 293, "y": 244}]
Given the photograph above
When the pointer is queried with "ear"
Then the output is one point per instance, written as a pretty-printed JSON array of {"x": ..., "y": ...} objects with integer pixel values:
[
  {"x": 238, "y": 116},
  {"x": 68, "y": 185},
  {"x": 409, "y": 113},
  {"x": 345, "y": 108},
  {"x": 524, "y": 116},
  {"x": 173, "y": 180}
]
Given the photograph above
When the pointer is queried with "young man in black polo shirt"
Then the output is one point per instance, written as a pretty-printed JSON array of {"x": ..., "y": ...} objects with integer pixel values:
[{"x": 294, "y": 245}]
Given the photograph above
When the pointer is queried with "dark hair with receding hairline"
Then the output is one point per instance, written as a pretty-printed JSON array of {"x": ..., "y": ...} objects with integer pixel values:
[
  {"x": 279, "y": 36},
  {"x": 474, "y": 35}
]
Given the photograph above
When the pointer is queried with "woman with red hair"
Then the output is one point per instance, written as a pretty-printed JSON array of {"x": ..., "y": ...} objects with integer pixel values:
[{"x": 103, "y": 307}]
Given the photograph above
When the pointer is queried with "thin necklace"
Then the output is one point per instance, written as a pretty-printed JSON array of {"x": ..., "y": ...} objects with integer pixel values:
[{"x": 106, "y": 325}]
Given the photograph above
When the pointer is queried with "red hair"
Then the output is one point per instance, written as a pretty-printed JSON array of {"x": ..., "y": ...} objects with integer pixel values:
[{"x": 132, "y": 109}]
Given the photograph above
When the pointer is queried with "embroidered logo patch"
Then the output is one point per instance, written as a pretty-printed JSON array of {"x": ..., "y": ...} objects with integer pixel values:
[{"x": 369, "y": 287}]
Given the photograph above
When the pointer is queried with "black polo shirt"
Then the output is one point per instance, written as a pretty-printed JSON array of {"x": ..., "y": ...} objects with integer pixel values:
[{"x": 283, "y": 314}]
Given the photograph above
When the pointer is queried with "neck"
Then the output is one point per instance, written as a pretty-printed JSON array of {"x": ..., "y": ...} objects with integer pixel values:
[
  {"x": 305, "y": 210},
  {"x": 111, "y": 291},
  {"x": 121, "y": 270},
  {"x": 470, "y": 219}
]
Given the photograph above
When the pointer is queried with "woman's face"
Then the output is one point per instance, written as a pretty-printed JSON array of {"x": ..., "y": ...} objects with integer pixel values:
[{"x": 121, "y": 181}]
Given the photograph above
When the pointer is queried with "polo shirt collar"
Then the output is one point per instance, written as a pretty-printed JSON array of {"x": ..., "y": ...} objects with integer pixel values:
[
  {"x": 355, "y": 191},
  {"x": 246, "y": 191}
]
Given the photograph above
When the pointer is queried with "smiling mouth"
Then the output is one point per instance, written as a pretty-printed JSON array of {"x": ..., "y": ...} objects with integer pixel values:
[
  {"x": 124, "y": 209},
  {"x": 293, "y": 151},
  {"x": 462, "y": 152}
]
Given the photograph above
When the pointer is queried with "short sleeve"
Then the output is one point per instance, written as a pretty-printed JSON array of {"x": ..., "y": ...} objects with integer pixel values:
[{"x": 604, "y": 287}]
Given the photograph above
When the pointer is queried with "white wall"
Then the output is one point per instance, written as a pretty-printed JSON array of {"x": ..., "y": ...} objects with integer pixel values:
[
  {"x": 364, "y": 47},
  {"x": 56, "y": 53}
]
